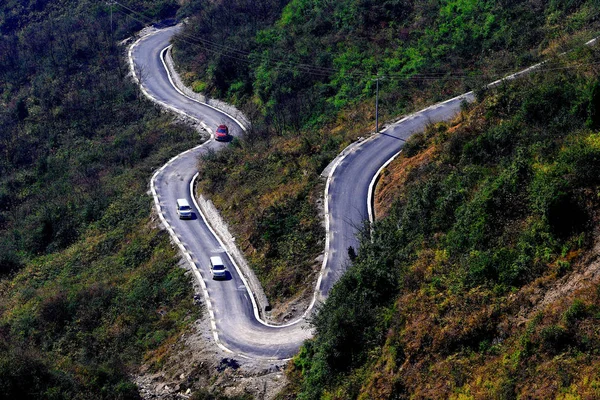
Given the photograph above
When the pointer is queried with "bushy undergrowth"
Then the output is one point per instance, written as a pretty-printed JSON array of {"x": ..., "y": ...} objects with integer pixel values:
[
  {"x": 276, "y": 223},
  {"x": 76, "y": 324},
  {"x": 302, "y": 61},
  {"x": 440, "y": 301},
  {"x": 303, "y": 72},
  {"x": 89, "y": 285}
]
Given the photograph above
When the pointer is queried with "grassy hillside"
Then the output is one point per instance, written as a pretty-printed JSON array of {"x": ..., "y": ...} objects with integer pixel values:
[
  {"x": 473, "y": 286},
  {"x": 304, "y": 73},
  {"x": 89, "y": 286}
]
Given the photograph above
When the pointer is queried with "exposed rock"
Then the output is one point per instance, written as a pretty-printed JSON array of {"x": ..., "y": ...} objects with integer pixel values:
[
  {"x": 228, "y": 363},
  {"x": 195, "y": 365}
]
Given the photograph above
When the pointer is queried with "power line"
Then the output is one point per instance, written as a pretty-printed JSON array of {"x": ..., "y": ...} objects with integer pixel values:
[
  {"x": 324, "y": 72},
  {"x": 184, "y": 39},
  {"x": 237, "y": 54},
  {"x": 316, "y": 70},
  {"x": 217, "y": 49}
]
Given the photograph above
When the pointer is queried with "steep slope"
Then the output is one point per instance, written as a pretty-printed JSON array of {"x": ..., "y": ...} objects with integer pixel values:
[
  {"x": 305, "y": 77},
  {"x": 482, "y": 281},
  {"x": 88, "y": 285}
]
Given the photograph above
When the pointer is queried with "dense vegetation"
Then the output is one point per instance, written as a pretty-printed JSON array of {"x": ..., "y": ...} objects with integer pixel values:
[
  {"x": 446, "y": 297},
  {"x": 89, "y": 286},
  {"x": 304, "y": 73},
  {"x": 441, "y": 300}
]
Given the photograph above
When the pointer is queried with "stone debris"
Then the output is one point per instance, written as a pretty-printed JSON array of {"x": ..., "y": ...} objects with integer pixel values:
[{"x": 228, "y": 363}]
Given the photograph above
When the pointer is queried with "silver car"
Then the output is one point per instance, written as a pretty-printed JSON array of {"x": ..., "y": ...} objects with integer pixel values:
[
  {"x": 183, "y": 209},
  {"x": 217, "y": 268}
]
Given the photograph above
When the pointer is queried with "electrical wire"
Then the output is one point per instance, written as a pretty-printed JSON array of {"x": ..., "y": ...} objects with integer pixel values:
[
  {"x": 218, "y": 52},
  {"x": 323, "y": 72},
  {"x": 231, "y": 52}
]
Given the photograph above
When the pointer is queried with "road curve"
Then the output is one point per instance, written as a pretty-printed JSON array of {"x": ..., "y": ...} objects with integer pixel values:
[
  {"x": 235, "y": 325},
  {"x": 229, "y": 303},
  {"x": 351, "y": 182}
]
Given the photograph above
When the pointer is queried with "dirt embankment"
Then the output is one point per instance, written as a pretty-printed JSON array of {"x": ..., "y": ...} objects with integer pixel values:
[
  {"x": 394, "y": 177},
  {"x": 546, "y": 291},
  {"x": 193, "y": 363}
]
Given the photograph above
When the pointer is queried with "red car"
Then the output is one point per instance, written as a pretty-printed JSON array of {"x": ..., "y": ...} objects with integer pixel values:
[{"x": 222, "y": 133}]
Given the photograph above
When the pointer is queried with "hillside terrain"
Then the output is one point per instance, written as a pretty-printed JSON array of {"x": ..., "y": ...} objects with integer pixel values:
[
  {"x": 482, "y": 280},
  {"x": 479, "y": 279},
  {"x": 304, "y": 73},
  {"x": 89, "y": 287}
]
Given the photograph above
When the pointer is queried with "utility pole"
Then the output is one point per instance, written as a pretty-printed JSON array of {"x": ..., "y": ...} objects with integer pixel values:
[
  {"x": 110, "y": 4},
  {"x": 377, "y": 107}
]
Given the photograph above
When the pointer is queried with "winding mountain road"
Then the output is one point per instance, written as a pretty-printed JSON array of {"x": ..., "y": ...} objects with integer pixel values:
[{"x": 235, "y": 321}]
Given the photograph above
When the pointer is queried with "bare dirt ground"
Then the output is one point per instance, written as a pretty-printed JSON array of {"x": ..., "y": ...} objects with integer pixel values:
[
  {"x": 195, "y": 363},
  {"x": 544, "y": 293}
]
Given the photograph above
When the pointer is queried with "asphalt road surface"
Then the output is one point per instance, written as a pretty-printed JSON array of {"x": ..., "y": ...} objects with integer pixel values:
[
  {"x": 235, "y": 324},
  {"x": 349, "y": 185}
]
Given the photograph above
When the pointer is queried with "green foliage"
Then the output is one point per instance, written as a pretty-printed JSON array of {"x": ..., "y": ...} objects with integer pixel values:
[
  {"x": 351, "y": 322},
  {"x": 304, "y": 69},
  {"x": 285, "y": 229},
  {"x": 554, "y": 338},
  {"x": 578, "y": 310},
  {"x": 308, "y": 57},
  {"x": 502, "y": 203},
  {"x": 505, "y": 197},
  {"x": 94, "y": 314},
  {"x": 198, "y": 86},
  {"x": 87, "y": 286},
  {"x": 69, "y": 127}
]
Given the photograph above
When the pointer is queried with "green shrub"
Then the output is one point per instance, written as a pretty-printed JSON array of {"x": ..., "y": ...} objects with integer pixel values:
[
  {"x": 199, "y": 86},
  {"x": 80, "y": 145},
  {"x": 554, "y": 339},
  {"x": 578, "y": 310},
  {"x": 501, "y": 200}
]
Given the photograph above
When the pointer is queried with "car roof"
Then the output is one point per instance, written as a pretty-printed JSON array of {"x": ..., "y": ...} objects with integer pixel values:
[
  {"x": 183, "y": 202},
  {"x": 216, "y": 260}
]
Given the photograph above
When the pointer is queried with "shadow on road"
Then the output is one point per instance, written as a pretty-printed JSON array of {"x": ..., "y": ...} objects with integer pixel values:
[
  {"x": 392, "y": 136},
  {"x": 227, "y": 277}
]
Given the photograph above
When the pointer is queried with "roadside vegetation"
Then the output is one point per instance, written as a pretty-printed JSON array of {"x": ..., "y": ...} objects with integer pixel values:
[
  {"x": 304, "y": 72},
  {"x": 444, "y": 299},
  {"x": 89, "y": 286},
  {"x": 469, "y": 287}
]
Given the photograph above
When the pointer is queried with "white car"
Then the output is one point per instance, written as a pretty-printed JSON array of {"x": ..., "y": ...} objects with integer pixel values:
[
  {"x": 217, "y": 268},
  {"x": 183, "y": 209}
]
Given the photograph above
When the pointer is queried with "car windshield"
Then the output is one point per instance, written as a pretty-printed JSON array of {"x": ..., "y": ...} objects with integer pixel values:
[
  {"x": 219, "y": 267},
  {"x": 185, "y": 208}
]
